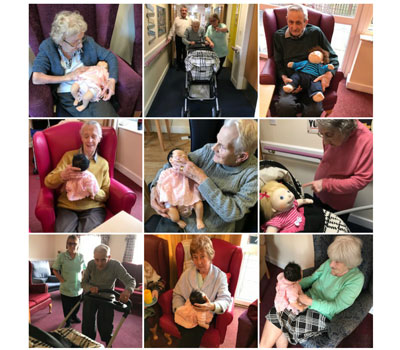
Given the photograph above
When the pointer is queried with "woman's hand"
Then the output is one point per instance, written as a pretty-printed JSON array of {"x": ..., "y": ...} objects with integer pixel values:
[
  {"x": 305, "y": 299},
  {"x": 315, "y": 185},
  {"x": 207, "y": 306},
  {"x": 108, "y": 90},
  {"x": 70, "y": 173},
  {"x": 156, "y": 205},
  {"x": 190, "y": 170},
  {"x": 154, "y": 294},
  {"x": 75, "y": 74}
]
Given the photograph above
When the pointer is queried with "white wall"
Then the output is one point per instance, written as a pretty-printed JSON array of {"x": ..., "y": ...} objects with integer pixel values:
[{"x": 177, "y": 126}]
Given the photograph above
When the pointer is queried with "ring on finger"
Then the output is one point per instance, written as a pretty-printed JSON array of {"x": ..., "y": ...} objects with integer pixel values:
[{"x": 181, "y": 168}]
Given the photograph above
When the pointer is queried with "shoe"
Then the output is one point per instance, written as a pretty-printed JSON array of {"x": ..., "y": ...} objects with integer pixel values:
[
  {"x": 76, "y": 319},
  {"x": 67, "y": 324}
]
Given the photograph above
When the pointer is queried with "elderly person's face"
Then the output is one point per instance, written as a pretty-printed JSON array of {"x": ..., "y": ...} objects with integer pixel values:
[
  {"x": 331, "y": 136},
  {"x": 224, "y": 151},
  {"x": 338, "y": 268},
  {"x": 101, "y": 260},
  {"x": 183, "y": 12},
  {"x": 296, "y": 22},
  {"x": 90, "y": 139},
  {"x": 195, "y": 26},
  {"x": 72, "y": 245},
  {"x": 202, "y": 261},
  {"x": 72, "y": 43}
]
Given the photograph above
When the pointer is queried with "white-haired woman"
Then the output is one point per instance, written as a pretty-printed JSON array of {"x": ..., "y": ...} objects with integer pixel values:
[
  {"x": 65, "y": 55},
  {"x": 85, "y": 214},
  {"x": 332, "y": 288},
  {"x": 346, "y": 166},
  {"x": 226, "y": 173}
]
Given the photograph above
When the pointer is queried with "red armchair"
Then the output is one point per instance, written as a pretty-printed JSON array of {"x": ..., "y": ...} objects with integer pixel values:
[
  {"x": 275, "y": 19},
  {"x": 50, "y": 145},
  {"x": 228, "y": 258},
  {"x": 39, "y": 297},
  {"x": 101, "y": 21}
]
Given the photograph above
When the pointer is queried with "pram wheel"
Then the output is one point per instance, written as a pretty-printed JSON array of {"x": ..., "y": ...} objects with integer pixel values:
[
  {"x": 185, "y": 114},
  {"x": 215, "y": 112}
]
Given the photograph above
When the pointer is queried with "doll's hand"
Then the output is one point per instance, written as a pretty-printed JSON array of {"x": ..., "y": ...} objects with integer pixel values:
[
  {"x": 156, "y": 205},
  {"x": 272, "y": 229},
  {"x": 290, "y": 64},
  {"x": 331, "y": 66},
  {"x": 325, "y": 80},
  {"x": 315, "y": 185}
]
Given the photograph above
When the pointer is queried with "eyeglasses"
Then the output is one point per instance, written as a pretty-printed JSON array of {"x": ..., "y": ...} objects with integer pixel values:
[{"x": 76, "y": 43}]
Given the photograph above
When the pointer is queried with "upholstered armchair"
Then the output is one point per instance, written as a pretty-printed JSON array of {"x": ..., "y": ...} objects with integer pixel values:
[
  {"x": 228, "y": 258},
  {"x": 39, "y": 297},
  {"x": 41, "y": 273},
  {"x": 156, "y": 254},
  {"x": 135, "y": 271},
  {"x": 101, "y": 20},
  {"x": 275, "y": 19},
  {"x": 50, "y": 145}
]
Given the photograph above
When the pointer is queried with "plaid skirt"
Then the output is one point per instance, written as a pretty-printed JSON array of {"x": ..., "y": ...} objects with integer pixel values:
[{"x": 298, "y": 328}]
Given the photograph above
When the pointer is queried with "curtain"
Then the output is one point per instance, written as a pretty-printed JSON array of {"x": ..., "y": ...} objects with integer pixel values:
[
  {"x": 105, "y": 239},
  {"x": 129, "y": 248}
]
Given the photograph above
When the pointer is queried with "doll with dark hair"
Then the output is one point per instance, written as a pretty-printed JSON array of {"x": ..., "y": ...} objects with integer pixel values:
[
  {"x": 187, "y": 316},
  {"x": 179, "y": 193},
  {"x": 84, "y": 186},
  {"x": 288, "y": 289}
]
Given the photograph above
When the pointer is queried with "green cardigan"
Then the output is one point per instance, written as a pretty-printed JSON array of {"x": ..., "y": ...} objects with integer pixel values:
[{"x": 332, "y": 294}]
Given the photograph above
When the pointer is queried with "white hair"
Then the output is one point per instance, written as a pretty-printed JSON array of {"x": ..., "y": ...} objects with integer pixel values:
[
  {"x": 297, "y": 7},
  {"x": 347, "y": 250},
  {"x": 102, "y": 248},
  {"x": 67, "y": 23},
  {"x": 248, "y": 135},
  {"x": 90, "y": 123}
]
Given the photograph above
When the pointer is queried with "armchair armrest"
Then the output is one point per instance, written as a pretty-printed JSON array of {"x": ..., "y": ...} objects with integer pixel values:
[
  {"x": 38, "y": 288},
  {"x": 128, "y": 89},
  {"x": 165, "y": 301},
  {"x": 121, "y": 197},
  {"x": 40, "y": 101},
  {"x": 336, "y": 80},
  {"x": 52, "y": 279},
  {"x": 268, "y": 74},
  {"x": 44, "y": 210},
  {"x": 223, "y": 321}
]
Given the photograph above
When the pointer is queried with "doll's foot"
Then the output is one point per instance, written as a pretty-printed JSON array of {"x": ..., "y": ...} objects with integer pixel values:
[
  {"x": 288, "y": 88},
  {"x": 318, "y": 97},
  {"x": 200, "y": 224},
  {"x": 76, "y": 102},
  {"x": 80, "y": 108},
  {"x": 181, "y": 224}
]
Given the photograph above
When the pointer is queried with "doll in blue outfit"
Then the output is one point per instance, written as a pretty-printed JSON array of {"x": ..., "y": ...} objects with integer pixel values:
[{"x": 306, "y": 72}]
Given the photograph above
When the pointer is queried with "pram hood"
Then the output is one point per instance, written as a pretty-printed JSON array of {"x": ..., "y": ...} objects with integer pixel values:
[{"x": 201, "y": 59}]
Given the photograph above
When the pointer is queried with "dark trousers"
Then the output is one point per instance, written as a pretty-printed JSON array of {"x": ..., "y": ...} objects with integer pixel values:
[
  {"x": 105, "y": 318},
  {"x": 180, "y": 52},
  {"x": 307, "y": 82},
  {"x": 318, "y": 202},
  {"x": 221, "y": 63},
  {"x": 79, "y": 221},
  {"x": 68, "y": 303},
  {"x": 191, "y": 338}
]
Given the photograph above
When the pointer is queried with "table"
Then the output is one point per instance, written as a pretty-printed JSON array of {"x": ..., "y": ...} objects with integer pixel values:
[
  {"x": 265, "y": 97},
  {"x": 121, "y": 222}
]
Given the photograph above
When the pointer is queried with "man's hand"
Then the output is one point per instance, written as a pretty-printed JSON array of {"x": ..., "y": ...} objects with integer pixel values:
[
  {"x": 108, "y": 90},
  {"x": 124, "y": 296},
  {"x": 190, "y": 170},
  {"x": 71, "y": 173},
  {"x": 156, "y": 205},
  {"x": 168, "y": 40},
  {"x": 325, "y": 80},
  {"x": 94, "y": 290},
  {"x": 287, "y": 80},
  {"x": 315, "y": 185}
]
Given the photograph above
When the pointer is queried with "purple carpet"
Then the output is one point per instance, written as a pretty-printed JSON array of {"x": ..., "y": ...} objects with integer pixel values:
[{"x": 129, "y": 336}]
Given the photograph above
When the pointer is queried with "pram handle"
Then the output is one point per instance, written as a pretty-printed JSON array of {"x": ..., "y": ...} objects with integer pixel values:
[
  {"x": 199, "y": 46},
  {"x": 116, "y": 304}
]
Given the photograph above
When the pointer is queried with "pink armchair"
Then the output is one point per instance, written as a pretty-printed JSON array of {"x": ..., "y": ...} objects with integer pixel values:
[
  {"x": 228, "y": 258},
  {"x": 275, "y": 19},
  {"x": 39, "y": 297},
  {"x": 50, "y": 145}
]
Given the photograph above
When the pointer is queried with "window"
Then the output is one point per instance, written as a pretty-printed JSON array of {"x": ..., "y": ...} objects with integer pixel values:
[
  {"x": 345, "y": 10},
  {"x": 87, "y": 245},
  {"x": 138, "y": 250}
]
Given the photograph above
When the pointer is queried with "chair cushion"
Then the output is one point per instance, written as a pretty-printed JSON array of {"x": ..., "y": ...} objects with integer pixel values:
[
  {"x": 40, "y": 269},
  {"x": 31, "y": 303},
  {"x": 38, "y": 298}
]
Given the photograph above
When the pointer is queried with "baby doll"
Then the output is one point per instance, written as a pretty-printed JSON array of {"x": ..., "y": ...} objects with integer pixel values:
[
  {"x": 281, "y": 209},
  {"x": 85, "y": 186},
  {"x": 307, "y": 71},
  {"x": 288, "y": 289},
  {"x": 179, "y": 193},
  {"x": 89, "y": 85},
  {"x": 188, "y": 317}
]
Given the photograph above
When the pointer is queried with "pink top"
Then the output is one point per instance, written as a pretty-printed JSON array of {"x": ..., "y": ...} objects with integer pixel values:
[
  {"x": 79, "y": 188},
  {"x": 346, "y": 169},
  {"x": 292, "y": 220},
  {"x": 177, "y": 189},
  {"x": 94, "y": 78},
  {"x": 286, "y": 292},
  {"x": 188, "y": 317}
]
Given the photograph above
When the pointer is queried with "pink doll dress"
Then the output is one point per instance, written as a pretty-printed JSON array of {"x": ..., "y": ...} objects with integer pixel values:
[
  {"x": 292, "y": 220},
  {"x": 79, "y": 188},
  {"x": 188, "y": 317},
  {"x": 286, "y": 292},
  {"x": 176, "y": 189},
  {"x": 94, "y": 79}
]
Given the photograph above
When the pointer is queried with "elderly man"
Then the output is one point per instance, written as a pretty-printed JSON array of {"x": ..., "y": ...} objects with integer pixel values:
[
  {"x": 291, "y": 44},
  {"x": 226, "y": 173},
  {"x": 101, "y": 273},
  {"x": 181, "y": 23},
  {"x": 194, "y": 35}
]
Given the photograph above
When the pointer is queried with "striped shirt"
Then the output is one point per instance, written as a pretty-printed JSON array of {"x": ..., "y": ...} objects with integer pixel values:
[
  {"x": 292, "y": 220},
  {"x": 314, "y": 69}
]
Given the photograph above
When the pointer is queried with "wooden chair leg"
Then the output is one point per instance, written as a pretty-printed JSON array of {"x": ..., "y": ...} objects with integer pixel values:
[
  {"x": 168, "y": 129},
  {"x": 50, "y": 308},
  {"x": 154, "y": 332},
  {"x": 168, "y": 336}
]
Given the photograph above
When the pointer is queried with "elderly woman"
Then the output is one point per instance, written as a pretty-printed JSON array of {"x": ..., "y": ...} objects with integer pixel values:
[
  {"x": 226, "y": 173},
  {"x": 85, "y": 214},
  {"x": 64, "y": 56},
  {"x": 329, "y": 290},
  {"x": 346, "y": 166},
  {"x": 207, "y": 278},
  {"x": 216, "y": 37}
]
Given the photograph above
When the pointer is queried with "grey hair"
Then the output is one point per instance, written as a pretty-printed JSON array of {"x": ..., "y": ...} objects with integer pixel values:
[
  {"x": 195, "y": 21},
  {"x": 183, "y": 7},
  {"x": 96, "y": 124},
  {"x": 347, "y": 250},
  {"x": 344, "y": 126},
  {"x": 102, "y": 248},
  {"x": 297, "y": 7},
  {"x": 67, "y": 23},
  {"x": 248, "y": 135}
]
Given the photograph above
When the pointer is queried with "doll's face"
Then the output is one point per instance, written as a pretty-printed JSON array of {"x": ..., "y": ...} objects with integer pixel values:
[
  {"x": 179, "y": 155},
  {"x": 315, "y": 57},
  {"x": 282, "y": 200}
]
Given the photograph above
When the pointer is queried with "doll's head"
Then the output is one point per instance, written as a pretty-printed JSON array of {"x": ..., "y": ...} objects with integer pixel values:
[
  {"x": 176, "y": 154},
  {"x": 318, "y": 55},
  {"x": 80, "y": 161},
  {"x": 292, "y": 272},
  {"x": 275, "y": 199},
  {"x": 103, "y": 64},
  {"x": 196, "y": 297}
]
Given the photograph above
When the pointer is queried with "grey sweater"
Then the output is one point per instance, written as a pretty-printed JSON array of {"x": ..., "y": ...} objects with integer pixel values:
[
  {"x": 229, "y": 192},
  {"x": 105, "y": 279}
]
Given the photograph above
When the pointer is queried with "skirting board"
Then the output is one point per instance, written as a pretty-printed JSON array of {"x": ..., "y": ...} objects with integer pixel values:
[
  {"x": 128, "y": 173},
  {"x": 359, "y": 87},
  {"x": 153, "y": 95}
]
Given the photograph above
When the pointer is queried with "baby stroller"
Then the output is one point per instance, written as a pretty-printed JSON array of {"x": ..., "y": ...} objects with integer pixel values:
[
  {"x": 317, "y": 219},
  {"x": 202, "y": 64},
  {"x": 71, "y": 338}
]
